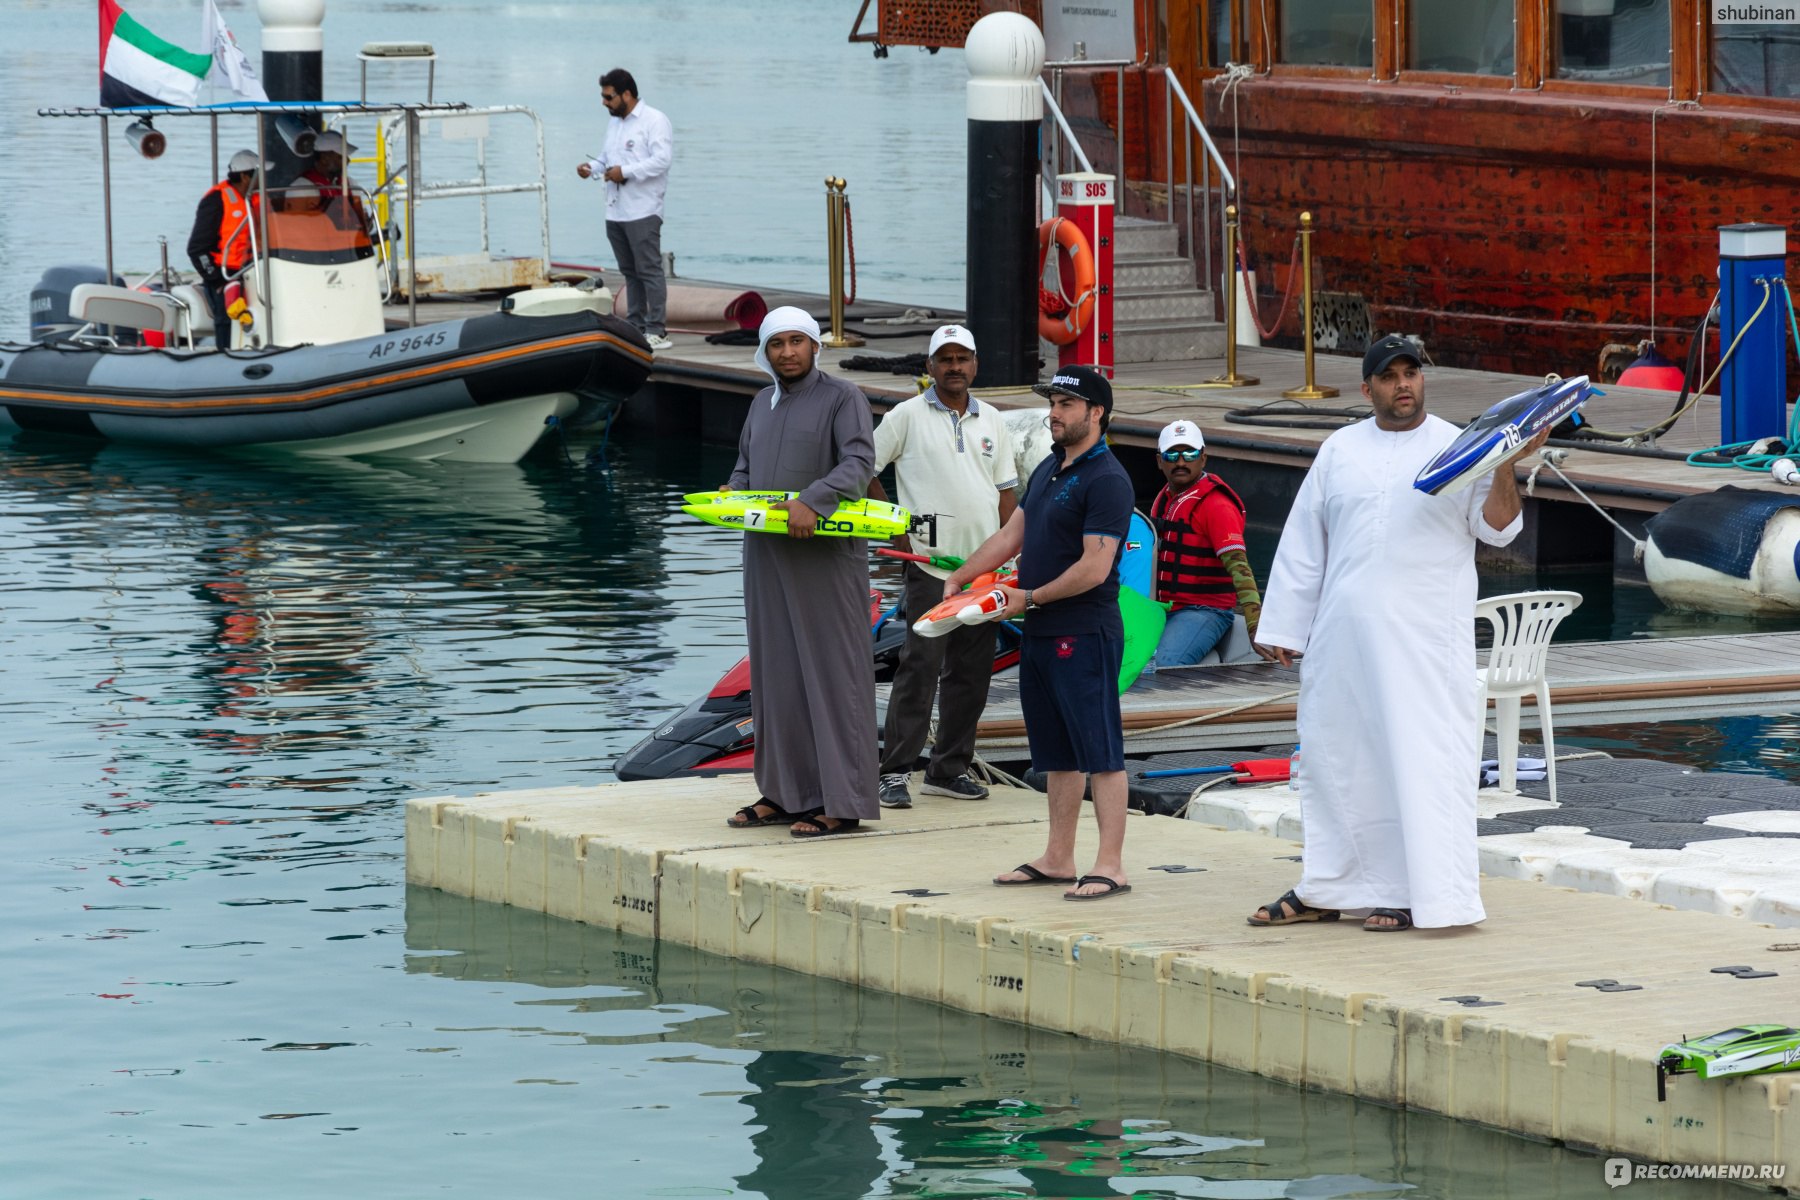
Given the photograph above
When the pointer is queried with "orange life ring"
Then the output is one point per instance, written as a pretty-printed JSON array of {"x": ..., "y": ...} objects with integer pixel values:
[{"x": 1060, "y": 320}]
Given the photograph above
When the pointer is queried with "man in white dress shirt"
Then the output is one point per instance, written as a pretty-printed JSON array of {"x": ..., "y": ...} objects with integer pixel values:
[{"x": 634, "y": 163}]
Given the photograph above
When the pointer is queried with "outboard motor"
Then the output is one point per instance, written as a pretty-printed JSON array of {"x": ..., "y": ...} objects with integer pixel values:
[{"x": 50, "y": 317}]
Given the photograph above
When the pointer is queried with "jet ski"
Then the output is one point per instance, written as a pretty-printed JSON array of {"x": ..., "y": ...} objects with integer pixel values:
[{"x": 717, "y": 733}]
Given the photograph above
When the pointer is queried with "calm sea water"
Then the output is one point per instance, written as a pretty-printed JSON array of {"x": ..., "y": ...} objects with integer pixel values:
[
  {"x": 767, "y": 99},
  {"x": 222, "y": 678}
]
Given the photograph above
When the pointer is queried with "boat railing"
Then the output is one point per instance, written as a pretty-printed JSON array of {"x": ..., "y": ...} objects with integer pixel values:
[
  {"x": 403, "y": 184},
  {"x": 1202, "y": 229},
  {"x": 1061, "y": 136},
  {"x": 1191, "y": 126},
  {"x": 410, "y": 115}
]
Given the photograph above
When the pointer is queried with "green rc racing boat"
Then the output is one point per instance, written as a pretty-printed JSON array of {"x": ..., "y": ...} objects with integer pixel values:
[{"x": 1740, "y": 1050}]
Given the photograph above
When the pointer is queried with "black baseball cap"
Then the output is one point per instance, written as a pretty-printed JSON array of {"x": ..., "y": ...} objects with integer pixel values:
[
  {"x": 1085, "y": 382},
  {"x": 1378, "y": 356}
]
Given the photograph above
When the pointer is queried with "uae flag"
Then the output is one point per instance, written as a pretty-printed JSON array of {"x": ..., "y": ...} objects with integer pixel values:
[{"x": 137, "y": 67}]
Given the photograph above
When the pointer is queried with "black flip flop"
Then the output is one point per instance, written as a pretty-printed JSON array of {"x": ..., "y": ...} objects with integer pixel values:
[
  {"x": 752, "y": 820},
  {"x": 1113, "y": 888},
  {"x": 819, "y": 829},
  {"x": 1034, "y": 878}
]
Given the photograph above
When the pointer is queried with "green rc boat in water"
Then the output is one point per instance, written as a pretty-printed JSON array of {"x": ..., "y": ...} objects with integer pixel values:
[{"x": 1740, "y": 1050}]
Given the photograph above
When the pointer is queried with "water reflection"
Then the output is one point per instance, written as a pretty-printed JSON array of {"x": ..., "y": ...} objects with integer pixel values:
[
  {"x": 851, "y": 1093},
  {"x": 279, "y": 639}
]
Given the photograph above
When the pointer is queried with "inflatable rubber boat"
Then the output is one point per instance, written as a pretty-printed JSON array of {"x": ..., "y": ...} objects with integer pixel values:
[
  {"x": 307, "y": 362},
  {"x": 1736, "y": 550},
  {"x": 481, "y": 389}
]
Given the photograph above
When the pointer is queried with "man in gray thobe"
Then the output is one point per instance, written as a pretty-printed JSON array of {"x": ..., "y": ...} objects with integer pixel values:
[{"x": 806, "y": 598}]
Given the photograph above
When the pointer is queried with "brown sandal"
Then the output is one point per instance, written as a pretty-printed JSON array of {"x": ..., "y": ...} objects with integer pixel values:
[{"x": 1291, "y": 910}]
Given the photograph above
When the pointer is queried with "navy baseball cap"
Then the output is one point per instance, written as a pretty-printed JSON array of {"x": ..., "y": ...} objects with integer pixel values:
[
  {"x": 1085, "y": 382},
  {"x": 1393, "y": 346}
]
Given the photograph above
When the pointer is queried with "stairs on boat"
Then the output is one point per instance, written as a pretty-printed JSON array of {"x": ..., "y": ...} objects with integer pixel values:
[{"x": 1158, "y": 313}]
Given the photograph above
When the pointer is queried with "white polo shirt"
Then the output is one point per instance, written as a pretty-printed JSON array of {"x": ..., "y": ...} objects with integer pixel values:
[{"x": 951, "y": 466}]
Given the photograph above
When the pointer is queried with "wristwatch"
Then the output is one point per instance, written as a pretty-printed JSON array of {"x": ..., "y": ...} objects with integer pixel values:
[{"x": 1029, "y": 602}]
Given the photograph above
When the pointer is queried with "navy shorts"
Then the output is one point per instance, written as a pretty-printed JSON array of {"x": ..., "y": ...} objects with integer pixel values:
[{"x": 1069, "y": 695}]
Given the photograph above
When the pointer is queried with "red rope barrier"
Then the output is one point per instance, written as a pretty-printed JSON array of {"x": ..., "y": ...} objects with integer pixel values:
[
  {"x": 1287, "y": 295},
  {"x": 850, "y": 245}
]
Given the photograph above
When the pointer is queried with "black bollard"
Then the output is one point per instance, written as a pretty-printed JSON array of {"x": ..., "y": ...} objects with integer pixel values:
[
  {"x": 293, "y": 68},
  {"x": 1005, "y": 53}
]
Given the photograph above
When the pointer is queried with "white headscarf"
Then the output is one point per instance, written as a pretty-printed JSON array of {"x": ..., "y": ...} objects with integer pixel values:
[{"x": 786, "y": 319}]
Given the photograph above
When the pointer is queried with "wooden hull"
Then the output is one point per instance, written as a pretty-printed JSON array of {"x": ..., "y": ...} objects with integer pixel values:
[{"x": 1512, "y": 231}]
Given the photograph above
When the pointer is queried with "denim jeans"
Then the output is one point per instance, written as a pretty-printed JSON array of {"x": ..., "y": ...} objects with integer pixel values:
[{"x": 1189, "y": 634}]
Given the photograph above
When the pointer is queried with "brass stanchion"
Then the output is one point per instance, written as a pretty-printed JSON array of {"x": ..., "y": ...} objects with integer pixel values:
[
  {"x": 1231, "y": 378},
  {"x": 837, "y": 339},
  {"x": 1309, "y": 390}
]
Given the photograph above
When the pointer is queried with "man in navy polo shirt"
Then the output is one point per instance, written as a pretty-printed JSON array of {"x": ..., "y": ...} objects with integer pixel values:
[{"x": 1068, "y": 534}]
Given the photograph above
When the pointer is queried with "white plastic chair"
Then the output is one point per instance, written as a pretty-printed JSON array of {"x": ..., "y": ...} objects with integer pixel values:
[{"x": 1523, "y": 623}]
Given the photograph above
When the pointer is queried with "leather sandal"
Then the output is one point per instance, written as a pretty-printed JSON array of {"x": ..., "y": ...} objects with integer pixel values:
[
  {"x": 754, "y": 819},
  {"x": 815, "y": 826},
  {"x": 1402, "y": 918},
  {"x": 1291, "y": 910}
]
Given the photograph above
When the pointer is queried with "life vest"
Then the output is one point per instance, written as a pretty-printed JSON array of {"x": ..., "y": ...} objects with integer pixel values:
[
  {"x": 234, "y": 227},
  {"x": 1188, "y": 571}
]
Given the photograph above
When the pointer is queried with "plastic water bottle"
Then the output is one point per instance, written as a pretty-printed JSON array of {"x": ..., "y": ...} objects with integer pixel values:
[{"x": 1294, "y": 770}]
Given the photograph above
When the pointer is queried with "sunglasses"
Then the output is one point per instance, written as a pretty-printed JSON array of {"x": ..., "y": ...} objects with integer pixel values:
[{"x": 1181, "y": 455}]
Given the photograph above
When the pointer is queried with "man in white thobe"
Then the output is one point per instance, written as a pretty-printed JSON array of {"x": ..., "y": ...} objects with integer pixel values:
[{"x": 1374, "y": 581}]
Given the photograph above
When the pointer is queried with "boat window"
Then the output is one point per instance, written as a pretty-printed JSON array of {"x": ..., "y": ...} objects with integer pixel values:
[
  {"x": 1474, "y": 37},
  {"x": 1328, "y": 32},
  {"x": 1756, "y": 60},
  {"x": 318, "y": 232},
  {"x": 1613, "y": 41},
  {"x": 1219, "y": 50}
]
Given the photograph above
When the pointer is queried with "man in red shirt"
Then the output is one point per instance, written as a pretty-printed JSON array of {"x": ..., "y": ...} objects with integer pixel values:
[
  {"x": 1201, "y": 567},
  {"x": 326, "y": 173}
]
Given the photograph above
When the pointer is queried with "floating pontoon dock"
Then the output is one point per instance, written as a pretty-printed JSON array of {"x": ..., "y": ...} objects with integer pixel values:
[{"x": 1545, "y": 1021}]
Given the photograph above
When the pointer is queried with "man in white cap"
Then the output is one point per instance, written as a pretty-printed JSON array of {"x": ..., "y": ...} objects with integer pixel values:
[
  {"x": 806, "y": 598},
  {"x": 219, "y": 244},
  {"x": 950, "y": 457},
  {"x": 1202, "y": 570},
  {"x": 326, "y": 173}
]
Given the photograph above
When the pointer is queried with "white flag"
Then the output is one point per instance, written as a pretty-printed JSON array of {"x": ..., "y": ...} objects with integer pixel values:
[{"x": 231, "y": 66}]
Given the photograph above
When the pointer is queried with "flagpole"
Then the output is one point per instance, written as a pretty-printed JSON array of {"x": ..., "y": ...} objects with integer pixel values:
[{"x": 106, "y": 190}]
